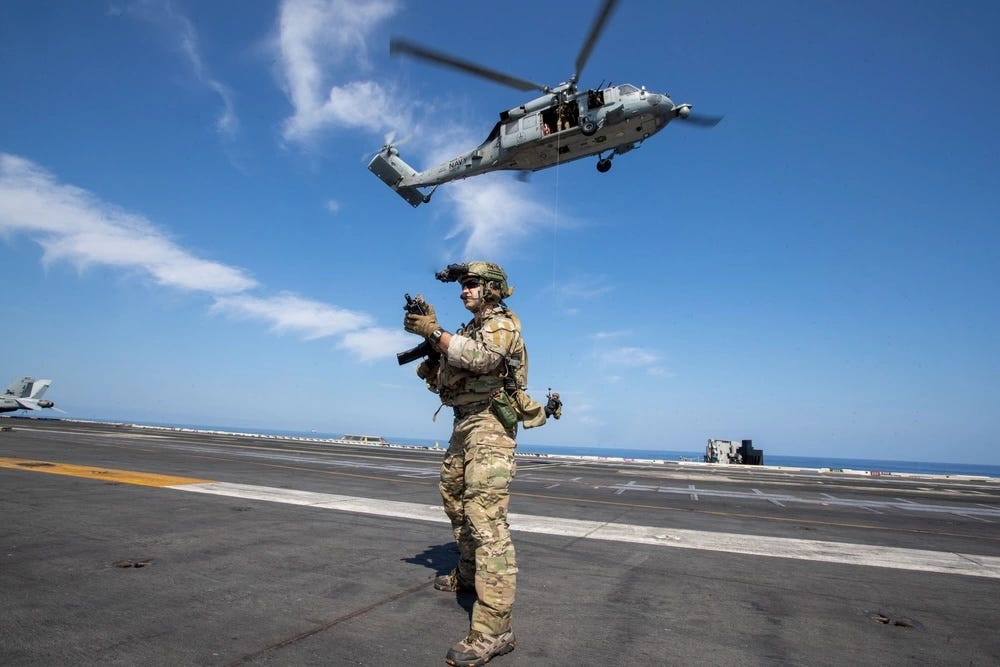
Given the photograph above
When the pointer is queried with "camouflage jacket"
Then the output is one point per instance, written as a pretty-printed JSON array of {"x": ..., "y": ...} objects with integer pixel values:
[{"x": 480, "y": 356}]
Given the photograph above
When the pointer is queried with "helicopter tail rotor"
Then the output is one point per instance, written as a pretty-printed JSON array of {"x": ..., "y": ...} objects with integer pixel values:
[
  {"x": 392, "y": 170},
  {"x": 391, "y": 146}
]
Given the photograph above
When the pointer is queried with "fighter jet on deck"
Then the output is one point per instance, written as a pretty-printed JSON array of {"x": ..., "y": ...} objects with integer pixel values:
[{"x": 26, "y": 394}]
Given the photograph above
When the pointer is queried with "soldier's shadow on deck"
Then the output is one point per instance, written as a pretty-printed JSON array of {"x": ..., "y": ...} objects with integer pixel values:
[{"x": 443, "y": 558}]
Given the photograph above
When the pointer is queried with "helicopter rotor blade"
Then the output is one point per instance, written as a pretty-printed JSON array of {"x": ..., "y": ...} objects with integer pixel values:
[
  {"x": 595, "y": 31},
  {"x": 703, "y": 120},
  {"x": 402, "y": 46}
]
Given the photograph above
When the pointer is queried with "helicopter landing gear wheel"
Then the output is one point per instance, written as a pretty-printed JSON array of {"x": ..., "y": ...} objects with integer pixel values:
[
  {"x": 603, "y": 165},
  {"x": 588, "y": 127}
]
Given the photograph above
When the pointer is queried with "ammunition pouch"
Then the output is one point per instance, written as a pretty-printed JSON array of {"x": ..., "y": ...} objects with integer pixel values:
[{"x": 502, "y": 407}]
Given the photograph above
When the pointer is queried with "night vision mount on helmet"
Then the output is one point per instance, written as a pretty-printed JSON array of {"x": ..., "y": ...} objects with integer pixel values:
[
  {"x": 492, "y": 276},
  {"x": 562, "y": 125}
]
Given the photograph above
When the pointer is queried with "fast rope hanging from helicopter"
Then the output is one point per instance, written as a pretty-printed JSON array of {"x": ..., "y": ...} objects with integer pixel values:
[{"x": 555, "y": 216}]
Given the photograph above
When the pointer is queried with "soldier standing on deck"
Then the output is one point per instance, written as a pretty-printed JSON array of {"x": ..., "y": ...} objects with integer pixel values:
[{"x": 481, "y": 374}]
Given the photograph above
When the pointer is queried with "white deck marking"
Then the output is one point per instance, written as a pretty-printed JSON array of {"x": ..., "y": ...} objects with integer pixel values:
[
  {"x": 767, "y": 496},
  {"x": 752, "y": 545}
]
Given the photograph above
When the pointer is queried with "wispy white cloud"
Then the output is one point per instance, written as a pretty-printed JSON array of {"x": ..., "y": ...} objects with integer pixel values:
[
  {"x": 586, "y": 414},
  {"x": 493, "y": 216},
  {"x": 570, "y": 294},
  {"x": 623, "y": 358},
  {"x": 583, "y": 288},
  {"x": 377, "y": 343},
  {"x": 606, "y": 335},
  {"x": 630, "y": 357},
  {"x": 74, "y": 226},
  {"x": 288, "y": 313},
  {"x": 322, "y": 45},
  {"x": 165, "y": 15},
  {"x": 317, "y": 39}
]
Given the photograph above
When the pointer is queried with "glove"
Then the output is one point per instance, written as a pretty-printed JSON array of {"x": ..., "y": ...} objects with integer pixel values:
[
  {"x": 428, "y": 369},
  {"x": 428, "y": 372},
  {"x": 423, "y": 325}
]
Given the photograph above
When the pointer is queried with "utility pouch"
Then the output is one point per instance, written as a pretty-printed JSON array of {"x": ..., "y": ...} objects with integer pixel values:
[
  {"x": 531, "y": 412},
  {"x": 503, "y": 408}
]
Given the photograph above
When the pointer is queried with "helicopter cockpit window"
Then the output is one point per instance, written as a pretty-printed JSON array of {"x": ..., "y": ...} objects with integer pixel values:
[{"x": 627, "y": 88}]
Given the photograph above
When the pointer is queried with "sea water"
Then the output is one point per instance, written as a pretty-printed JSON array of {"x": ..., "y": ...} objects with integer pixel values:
[{"x": 871, "y": 465}]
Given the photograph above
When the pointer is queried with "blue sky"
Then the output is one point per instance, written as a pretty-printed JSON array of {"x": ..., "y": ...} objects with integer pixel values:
[{"x": 189, "y": 232}]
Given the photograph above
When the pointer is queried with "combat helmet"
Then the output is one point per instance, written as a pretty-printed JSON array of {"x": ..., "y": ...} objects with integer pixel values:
[{"x": 491, "y": 275}]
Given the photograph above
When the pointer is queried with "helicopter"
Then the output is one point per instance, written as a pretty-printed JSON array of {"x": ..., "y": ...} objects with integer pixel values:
[{"x": 562, "y": 125}]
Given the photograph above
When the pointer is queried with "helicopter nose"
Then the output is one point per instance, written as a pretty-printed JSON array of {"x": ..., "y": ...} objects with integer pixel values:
[{"x": 661, "y": 105}]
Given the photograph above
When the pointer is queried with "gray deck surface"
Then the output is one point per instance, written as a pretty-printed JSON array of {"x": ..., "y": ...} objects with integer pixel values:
[{"x": 620, "y": 563}]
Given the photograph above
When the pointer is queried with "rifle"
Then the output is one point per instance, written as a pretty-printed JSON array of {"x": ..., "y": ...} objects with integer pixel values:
[{"x": 416, "y": 307}]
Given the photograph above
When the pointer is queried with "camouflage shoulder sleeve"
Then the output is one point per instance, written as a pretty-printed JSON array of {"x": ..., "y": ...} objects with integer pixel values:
[
  {"x": 500, "y": 332},
  {"x": 497, "y": 337}
]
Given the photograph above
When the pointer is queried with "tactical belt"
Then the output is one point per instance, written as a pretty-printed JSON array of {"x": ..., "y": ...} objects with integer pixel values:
[{"x": 463, "y": 411}]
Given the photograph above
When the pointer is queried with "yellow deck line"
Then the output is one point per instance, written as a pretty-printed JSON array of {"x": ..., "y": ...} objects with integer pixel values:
[{"x": 106, "y": 474}]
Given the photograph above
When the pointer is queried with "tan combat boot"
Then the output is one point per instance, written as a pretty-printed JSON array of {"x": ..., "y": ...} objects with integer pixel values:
[
  {"x": 453, "y": 583},
  {"x": 478, "y": 649}
]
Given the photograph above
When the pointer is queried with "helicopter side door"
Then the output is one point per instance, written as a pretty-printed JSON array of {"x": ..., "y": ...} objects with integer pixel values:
[
  {"x": 600, "y": 106},
  {"x": 520, "y": 131},
  {"x": 607, "y": 97}
]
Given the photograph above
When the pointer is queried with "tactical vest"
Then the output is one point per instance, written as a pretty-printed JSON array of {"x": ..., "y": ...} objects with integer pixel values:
[{"x": 459, "y": 386}]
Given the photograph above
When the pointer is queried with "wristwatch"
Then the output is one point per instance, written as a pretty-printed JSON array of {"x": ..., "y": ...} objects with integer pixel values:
[{"x": 435, "y": 337}]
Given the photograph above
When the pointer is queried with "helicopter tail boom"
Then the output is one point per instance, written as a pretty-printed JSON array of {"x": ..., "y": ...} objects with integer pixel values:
[{"x": 391, "y": 169}]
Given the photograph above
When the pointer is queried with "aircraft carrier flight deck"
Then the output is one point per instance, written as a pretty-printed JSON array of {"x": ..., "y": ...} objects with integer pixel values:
[{"x": 124, "y": 545}]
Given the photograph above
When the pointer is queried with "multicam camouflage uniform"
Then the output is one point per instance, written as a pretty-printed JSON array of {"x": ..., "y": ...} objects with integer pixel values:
[{"x": 479, "y": 464}]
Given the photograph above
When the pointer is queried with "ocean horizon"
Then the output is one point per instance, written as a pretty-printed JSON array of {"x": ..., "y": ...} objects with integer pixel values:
[{"x": 877, "y": 466}]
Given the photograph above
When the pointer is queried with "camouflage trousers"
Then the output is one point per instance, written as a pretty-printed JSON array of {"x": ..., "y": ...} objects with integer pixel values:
[{"x": 475, "y": 477}]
